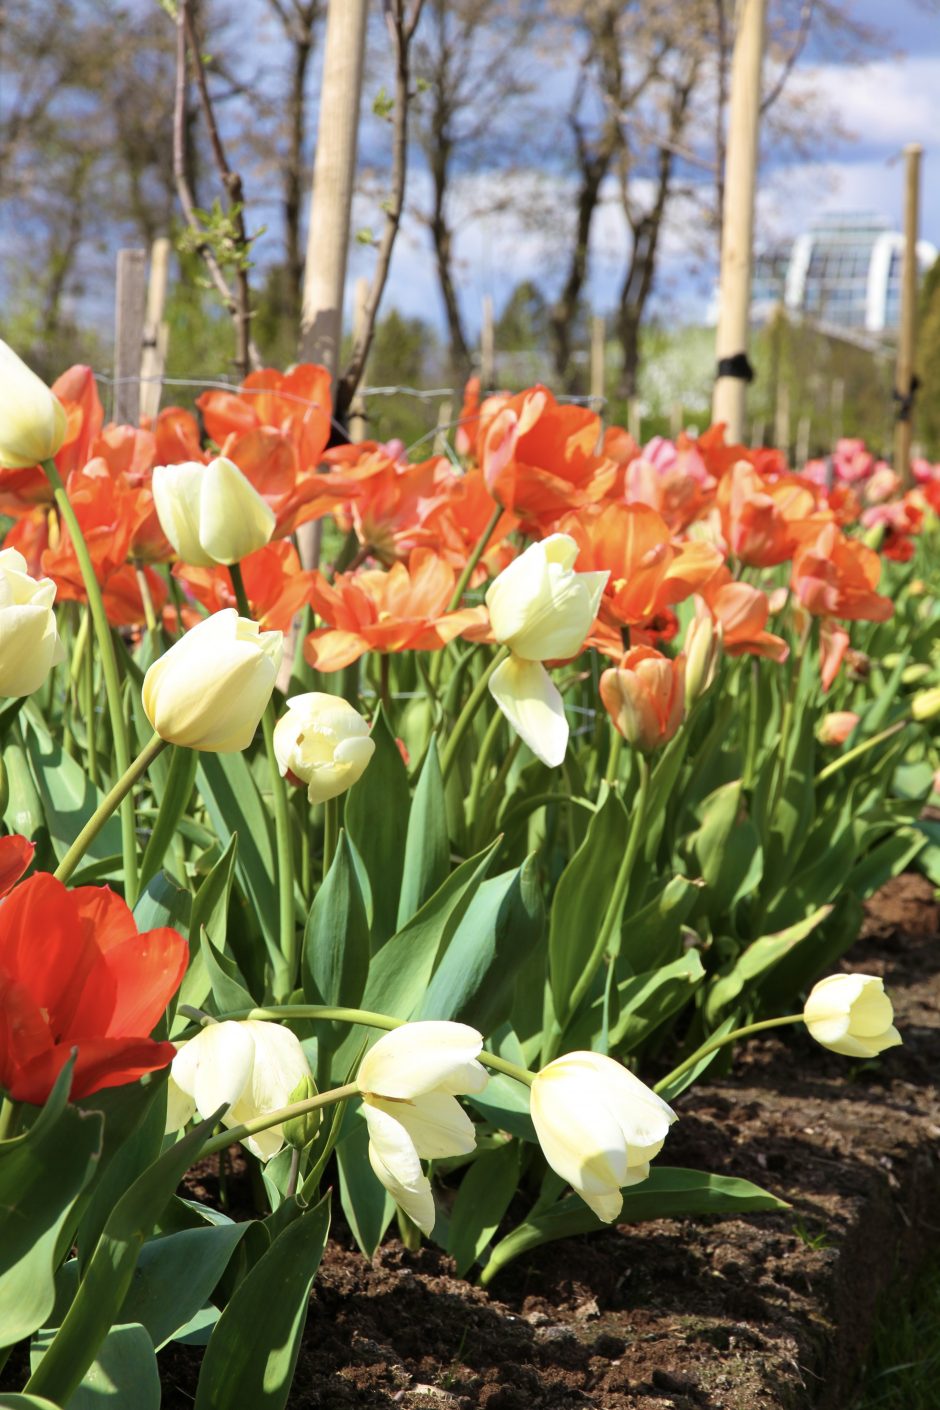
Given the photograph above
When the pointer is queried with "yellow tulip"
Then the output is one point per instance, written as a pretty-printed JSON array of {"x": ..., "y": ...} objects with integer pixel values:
[{"x": 32, "y": 419}]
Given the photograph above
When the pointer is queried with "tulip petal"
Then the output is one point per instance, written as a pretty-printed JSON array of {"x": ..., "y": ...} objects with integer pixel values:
[
  {"x": 396, "y": 1164},
  {"x": 436, "y": 1123},
  {"x": 214, "y": 1068},
  {"x": 525, "y": 693},
  {"x": 419, "y": 1057}
]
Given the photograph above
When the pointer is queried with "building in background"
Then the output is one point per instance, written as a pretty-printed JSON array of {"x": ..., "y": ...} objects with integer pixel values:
[{"x": 845, "y": 273}]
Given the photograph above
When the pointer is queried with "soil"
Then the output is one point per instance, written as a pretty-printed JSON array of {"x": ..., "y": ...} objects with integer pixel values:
[{"x": 763, "y": 1312}]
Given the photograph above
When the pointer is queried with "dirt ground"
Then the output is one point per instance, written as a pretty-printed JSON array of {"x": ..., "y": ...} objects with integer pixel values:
[{"x": 757, "y": 1313}]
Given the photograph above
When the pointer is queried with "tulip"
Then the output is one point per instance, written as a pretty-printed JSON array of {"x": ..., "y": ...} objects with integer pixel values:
[
  {"x": 599, "y": 1127},
  {"x": 926, "y": 704},
  {"x": 29, "y": 641},
  {"x": 702, "y": 651},
  {"x": 836, "y": 727},
  {"x": 32, "y": 419},
  {"x": 409, "y": 1081},
  {"x": 210, "y": 689},
  {"x": 645, "y": 697},
  {"x": 211, "y": 513},
  {"x": 851, "y": 1014},
  {"x": 252, "y": 1067},
  {"x": 542, "y": 610},
  {"x": 322, "y": 742}
]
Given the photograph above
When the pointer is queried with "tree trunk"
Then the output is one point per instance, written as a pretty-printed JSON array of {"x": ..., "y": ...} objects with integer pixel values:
[
  {"x": 293, "y": 171},
  {"x": 565, "y": 309}
]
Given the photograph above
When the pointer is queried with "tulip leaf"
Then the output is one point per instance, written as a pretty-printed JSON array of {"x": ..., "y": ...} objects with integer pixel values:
[
  {"x": 505, "y": 1104},
  {"x": 163, "y": 902},
  {"x": 229, "y": 989},
  {"x": 427, "y": 846},
  {"x": 210, "y": 912},
  {"x": 727, "y": 847},
  {"x": 175, "y": 1276},
  {"x": 23, "y": 812},
  {"x": 235, "y": 807},
  {"x": 482, "y": 1200},
  {"x": 668, "y": 1193},
  {"x": 581, "y": 898},
  {"x": 670, "y": 1092},
  {"x": 252, "y": 1353},
  {"x": 179, "y": 787},
  {"x": 366, "y": 1203},
  {"x": 760, "y": 956},
  {"x": 18, "y": 1400},
  {"x": 335, "y": 958},
  {"x": 123, "y": 1374},
  {"x": 503, "y": 923},
  {"x": 651, "y": 934},
  {"x": 42, "y": 1175},
  {"x": 374, "y": 808},
  {"x": 68, "y": 796}
]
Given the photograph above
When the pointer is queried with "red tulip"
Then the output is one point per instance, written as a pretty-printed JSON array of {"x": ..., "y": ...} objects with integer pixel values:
[{"x": 76, "y": 975}]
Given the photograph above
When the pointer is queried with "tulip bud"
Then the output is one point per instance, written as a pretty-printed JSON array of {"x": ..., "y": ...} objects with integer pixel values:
[
  {"x": 926, "y": 704},
  {"x": 598, "y": 1125},
  {"x": 209, "y": 691},
  {"x": 645, "y": 697},
  {"x": 31, "y": 645},
  {"x": 211, "y": 513},
  {"x": 851, "y": 1014},
  {"x": 299, "y": 1131},
  {"x": 836, "y": 727},
  {"x": 323, "y": 742},
  {"x": 702, "y": 650},
  {"x": 539, "y": 606},
  {"x": 33, "y": 422},
  {"x": 915, "y": 673},
  {"x": 251, "y": 1067}
]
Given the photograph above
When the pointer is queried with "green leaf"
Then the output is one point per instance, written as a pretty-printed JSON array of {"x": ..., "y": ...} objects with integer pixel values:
[
  {"x": 375, "y": 810},
  {"x": 210, "y": 912},
  {"x": 427, "y": 845},
  {"x": 482, "y": 1200},
  {"x": 42, "y": 1174},
  {"x": 673, "y": 1090},
  {"x": 23, "y": 812},
  {"x": 181, "y": 777},
  {"x": 175, "y": 1276},
  {"x": 759, "y": 957},
  {"x": 366, "y": 1204},
  {"x": 505, "y": 1104},
  {"x": 235, "y": 807},
  {"x": 727, "y": 848},
  {"x": 16, "y": 1400},
  {"x": 474, "y": 980},
  {"x": 229, "y": 989},
  {"x": 335, "y": 958},
  {"x": 581, "y": 899},
  {"x": 68, "y": 796},
  {"x": 253, "y": 1350},
  {"x": 651, "y": 934},
  {"x": 667, "y": 1194},
  {"x": 889, "y": 858},
  {"x": 123, "y": 1374},
  {"x": 163, "y": 902}
]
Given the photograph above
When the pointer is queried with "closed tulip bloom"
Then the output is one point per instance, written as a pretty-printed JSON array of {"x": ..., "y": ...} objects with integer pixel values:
[
  {"x": 322, "y": 742},
  {"x": 851, "y": 1014},
  {"x": 599, "y": 1127},
  {"x": 836, "y": 727},
  {"x": 211, "y": 513},
  {"x": 409, "y": 1082},
  {"x": 209, "y": 691},
  {"x": 645, "y": 697},
  {"x": 252, "y": 1066},
  {"x": 32, "y": 419},
  {"x": 702, "y": 651},
  {"x": 926, "y": 704},
  {"x": 542, "y": 610},
  {"x": 29, "y": 640}
]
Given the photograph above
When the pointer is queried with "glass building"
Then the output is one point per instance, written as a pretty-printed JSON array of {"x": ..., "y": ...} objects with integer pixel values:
[{"x": 845, "y": 272}]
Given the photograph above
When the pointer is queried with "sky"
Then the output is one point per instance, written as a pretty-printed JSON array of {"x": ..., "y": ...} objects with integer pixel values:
[{"x": 885, "y": 104}]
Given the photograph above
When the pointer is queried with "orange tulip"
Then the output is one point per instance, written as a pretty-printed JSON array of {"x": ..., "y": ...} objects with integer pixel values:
[
  {"x": 836, "y": 727},
  {"x": 404, "y": 609},
  {"x": 276, "y": 587},
  {"x": 742, "y": 611},
  {"x": 834, "y": 576},
  {"x": 760, "y": 518},
  {"x": 392, "y": 498},
  {"x": 645, "y": 697}
]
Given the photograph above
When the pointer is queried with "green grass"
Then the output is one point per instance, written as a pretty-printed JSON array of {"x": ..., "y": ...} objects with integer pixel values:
[{"x": 903, "y": 1370}]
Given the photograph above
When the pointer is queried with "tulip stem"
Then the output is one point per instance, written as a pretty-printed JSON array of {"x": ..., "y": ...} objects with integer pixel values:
[
  {"x": 471, "y": 563},
  {"x": 712, "y": 1044},
  {"x": 112, "y": 682},
  {"x": 613, "y": 760},
  {"x": 858, "y": 750},
  {"x": 465, "y": 718},
  {"x": 108, "y": 804},
  {"x": 284, "y": 981},
  {"x": 276, "y": 1118},
  {"x": 10, "y": 1113}
]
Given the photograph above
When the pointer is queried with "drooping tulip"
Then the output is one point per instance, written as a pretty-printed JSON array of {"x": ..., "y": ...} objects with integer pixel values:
[
  {"x": 209, "y": 691},
  {"x": 598, "y": 1125},
  {"x": 851, "y": 1014},
  {"x": 32, "y": 419},
  {"x": 211, "y": 513},
  {"x": 323, "y": 742}
]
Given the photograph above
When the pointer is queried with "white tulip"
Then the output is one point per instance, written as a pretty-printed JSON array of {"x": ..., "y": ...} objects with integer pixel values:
[
  {"x": 542, "y": 610},
  {"x": 324, "y": 743},
  {"x": 851, "y": 1014},
  {"x": 211, "y": 513},
  {"x": 409, "y": 1081},
  {"x": 599, "y": 1127},
  {"x": 29, "y": 641},
  {"x": 209, "y": 691},
  {"x": 32, "y": 419},
  {"x": 252, "y": 1066}
]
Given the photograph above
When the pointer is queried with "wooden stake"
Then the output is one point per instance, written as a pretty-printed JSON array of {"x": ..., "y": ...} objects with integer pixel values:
[
  {"x": 445, "y": 415},
  {"x": 782, "y": 417},
  {"x": 357, "y": 407},
  {"x": 487, "y": 347},
  {"x": 130, "y": 297},
  {"x": 598, "y": 380},
  {"x": 156, "y": 332},
  {"x": 904, "y": 385},
  {"x": 803, "y": 432},
  {"x": 635, "y": 420},
  {"x": 734, "y": 292}
]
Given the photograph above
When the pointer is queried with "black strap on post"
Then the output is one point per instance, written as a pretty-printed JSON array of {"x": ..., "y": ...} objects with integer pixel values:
[
  {"x": 905, "y": 401},
  {"x": 736, "y": 366}
]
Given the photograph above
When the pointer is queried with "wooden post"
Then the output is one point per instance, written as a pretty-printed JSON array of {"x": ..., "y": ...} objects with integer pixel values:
[
  {"x": 635, "y": 419},
  {"x": 130, "y": 297},
  {"x": 156, "y": 333},
  {"x": 803, "y": 432},
  {"x": 357, "y": 407},
  {"x": 837, "y": 406},
  {"x": 737, "y": 238},
  {"x": 487, "y": 347},
  {"x": 904, "y": 385},
  {"x": 445, "y": 415},
  {"x": 782, "y": 417},
  {"x": 598, "y": 380}
]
